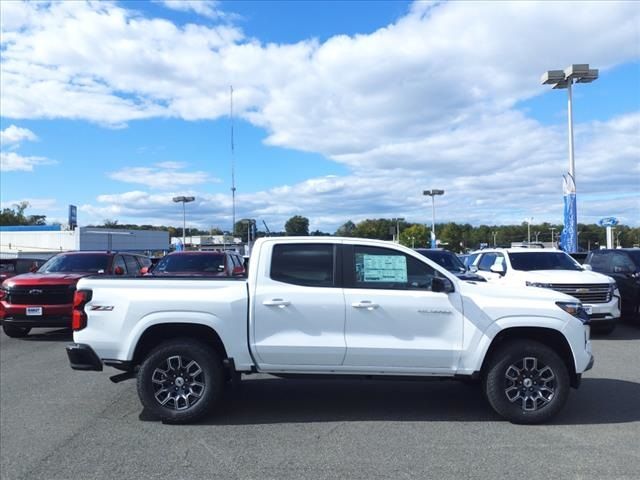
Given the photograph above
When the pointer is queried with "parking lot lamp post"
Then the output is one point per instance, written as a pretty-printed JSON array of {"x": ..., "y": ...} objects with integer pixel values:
[
  {"x": 432, "y": 194},
  {"x": 528, "y": 220},
  {"x": 398, "y": 220},
  {"x": 184, "y": 201},
  {"x": 576, "y": 73}
]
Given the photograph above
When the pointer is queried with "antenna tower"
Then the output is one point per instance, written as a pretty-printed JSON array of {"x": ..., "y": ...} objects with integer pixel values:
[{"x": 233, "y": 166}]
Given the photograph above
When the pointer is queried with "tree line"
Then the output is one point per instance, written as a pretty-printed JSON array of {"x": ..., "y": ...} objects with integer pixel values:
[{"x": 452, "y": 236}]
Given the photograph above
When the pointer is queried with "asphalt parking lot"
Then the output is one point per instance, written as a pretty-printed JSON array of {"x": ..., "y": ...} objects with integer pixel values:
[{"x": 59, "y": 424}]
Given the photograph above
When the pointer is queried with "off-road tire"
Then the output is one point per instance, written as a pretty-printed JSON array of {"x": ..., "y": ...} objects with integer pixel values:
[{"x": 189, "y": 395}]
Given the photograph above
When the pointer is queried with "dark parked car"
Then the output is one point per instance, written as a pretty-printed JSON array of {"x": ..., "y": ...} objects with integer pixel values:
[
  {"x": 579, "y": 257},
  {"x": 45, "y": 298},
  {"x": 10, "y": 267},
  {"x": 623, "y": 265},
  {"x": 201, "y": 264},
  {"x": 451, "y": 262}
]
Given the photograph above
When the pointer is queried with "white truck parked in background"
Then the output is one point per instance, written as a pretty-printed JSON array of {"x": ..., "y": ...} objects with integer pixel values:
[
  {"x": 556, "y": 270},
  {"x": 331, "y": 306}
]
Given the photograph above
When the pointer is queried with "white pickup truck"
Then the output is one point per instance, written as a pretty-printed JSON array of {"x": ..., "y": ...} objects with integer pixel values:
[{"x": 331, "y": 306}]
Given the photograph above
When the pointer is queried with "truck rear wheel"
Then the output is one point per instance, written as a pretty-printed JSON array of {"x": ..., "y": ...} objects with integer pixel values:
[
  {"x": 15, "y": 332},
  {"x": 526, "y": 382},
  {"x": 180, "y": 381}
]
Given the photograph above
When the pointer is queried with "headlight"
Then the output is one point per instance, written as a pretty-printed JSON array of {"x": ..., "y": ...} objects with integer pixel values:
[
  {"x": 576, "y": 309},
  {"x": 538, "y": 284}
]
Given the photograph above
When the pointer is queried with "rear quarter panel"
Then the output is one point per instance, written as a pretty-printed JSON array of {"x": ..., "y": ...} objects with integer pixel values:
[{"x": 122, "y": 309}]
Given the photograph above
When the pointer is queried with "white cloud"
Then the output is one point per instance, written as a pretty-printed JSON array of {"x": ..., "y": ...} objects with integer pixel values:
[
  {"x": 11, "y": 161},
  {"x": 162, "y": 175},
  {"x": 206, "y": 8},
  {"x": 13, "y": 135}
]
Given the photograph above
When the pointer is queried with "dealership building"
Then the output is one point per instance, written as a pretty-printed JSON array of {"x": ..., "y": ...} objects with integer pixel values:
[{"x": 43, "y": 241}]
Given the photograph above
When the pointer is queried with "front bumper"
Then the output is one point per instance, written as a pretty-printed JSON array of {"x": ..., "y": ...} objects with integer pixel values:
[
  {"x": 83, "y": 357},
  {"x": 604, "y": 313}
]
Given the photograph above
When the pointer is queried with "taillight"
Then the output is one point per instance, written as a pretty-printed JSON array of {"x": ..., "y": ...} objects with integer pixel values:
[{"x": 79, "y": 317}]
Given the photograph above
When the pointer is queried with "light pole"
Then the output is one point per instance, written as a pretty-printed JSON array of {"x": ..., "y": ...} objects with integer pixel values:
[
  {"x": 578, "y": 73},
  {"x": 495, "y": 234},
  {"x": 184, "y": 201},
  {"x": 528, "y": 220},
  {"x": 397, "y": 234},
  {"x": 432, "y": 194},
  {"x": 553, "y": 234}
]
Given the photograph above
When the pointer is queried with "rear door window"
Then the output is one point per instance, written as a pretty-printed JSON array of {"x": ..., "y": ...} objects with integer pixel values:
[{"x": 303, "y": 264}]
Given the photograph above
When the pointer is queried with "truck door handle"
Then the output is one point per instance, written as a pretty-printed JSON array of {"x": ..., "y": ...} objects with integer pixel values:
[
  {"x": 276, "y": 302},
  {"x": 365, "y": 304}
]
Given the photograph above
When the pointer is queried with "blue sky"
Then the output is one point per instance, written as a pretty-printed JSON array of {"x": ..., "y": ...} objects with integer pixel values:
[{"x": 343, "y": 110}]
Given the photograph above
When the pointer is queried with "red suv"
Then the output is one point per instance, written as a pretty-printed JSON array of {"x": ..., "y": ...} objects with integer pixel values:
[{"x": 45, "y": 298}]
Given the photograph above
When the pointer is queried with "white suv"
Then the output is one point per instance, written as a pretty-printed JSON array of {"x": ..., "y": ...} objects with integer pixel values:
[{"x": 554, "y": 269}]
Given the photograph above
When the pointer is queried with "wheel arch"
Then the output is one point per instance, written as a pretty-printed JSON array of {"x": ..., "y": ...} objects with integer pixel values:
[
  {"x": 550, "y": 337},
  {"x": 156, "y": 334}
]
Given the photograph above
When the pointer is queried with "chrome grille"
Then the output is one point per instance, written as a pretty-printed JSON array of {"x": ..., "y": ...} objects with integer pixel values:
[
  {"x": 590, "y": 293},
  {"x": 41, "y": 295}
]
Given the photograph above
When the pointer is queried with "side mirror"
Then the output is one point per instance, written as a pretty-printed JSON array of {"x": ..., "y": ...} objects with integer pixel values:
[
  {"x": 144, "y": 270},
  {"x": 499, "y": 269},
  {"x": 440, "y": 284},
  {"x": 33, "y": 268},
  {"x": 587, "y": 267},
  {"x": 473, "y": 269},
  {"x": 118, "y": 271}
]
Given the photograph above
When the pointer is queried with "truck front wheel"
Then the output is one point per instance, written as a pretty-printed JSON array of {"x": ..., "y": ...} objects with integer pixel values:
[
  {"x": 526, "y": 382},
  {"x": 180, "y": 381}
]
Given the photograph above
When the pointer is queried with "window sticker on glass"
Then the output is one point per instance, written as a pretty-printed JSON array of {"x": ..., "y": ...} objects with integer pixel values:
[{"x": 381, "y": 268}]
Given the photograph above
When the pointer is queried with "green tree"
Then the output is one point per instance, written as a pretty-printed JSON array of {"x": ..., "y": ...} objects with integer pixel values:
[
  {"x": 380, "y": 228},
  {"x": 242, "y": 228},
  {"x": 415, "y": 236},
  {"x": 297, "y": 225},
  {"x": 16, "y": 216},
  {"x": 346, "y": 230}
]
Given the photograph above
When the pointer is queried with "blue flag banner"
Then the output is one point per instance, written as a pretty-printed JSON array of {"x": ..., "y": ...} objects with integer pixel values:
[{"x": 569, "y": 236}]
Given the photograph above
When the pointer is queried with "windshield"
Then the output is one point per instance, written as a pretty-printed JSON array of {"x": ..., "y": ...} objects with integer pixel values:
[
  {"x": 448, "y": 260},
  {"x": 543, "y": 261},
  {"x": 195, "y": 263},
  {"x": 76, "y": 263}
]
